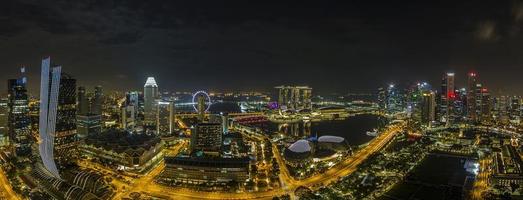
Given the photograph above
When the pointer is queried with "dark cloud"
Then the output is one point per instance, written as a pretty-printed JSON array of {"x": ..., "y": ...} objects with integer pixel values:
[
  {"x": 330, "y": 45},
  {"x": 487, "y": 31}
]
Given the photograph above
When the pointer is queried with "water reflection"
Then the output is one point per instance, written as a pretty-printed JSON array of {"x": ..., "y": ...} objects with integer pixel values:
[
  {"x": 297, "y": 130},
  {"x": 353, "y": 129}
]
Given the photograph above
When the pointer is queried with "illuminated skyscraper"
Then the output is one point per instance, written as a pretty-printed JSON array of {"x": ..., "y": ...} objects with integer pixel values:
[
  {"x": 19, "y": 122},
  {"x": 394, "y": 99},
  {"x": 428, "y": 107},
  {"x": 4, "y": 113},
  {"x": 66, "y": 141},
  {"x": 89, "y": 115},
  {"x": 132, "y": 99},
  {"x": 57, "y": 117},
  {"x": 448, "y": 95},
  {"x": 83, "y": 102},
  {"x": 150, "y": 95},
  {"x": 294, "y": 97},
  {"x": 414, "y": 99},
  {"x": 165, "y": 117},
  {"x": 485, "y": 106},
  {"x": 471, "y": 97},
  {"x": 88, "y": 124},
  {"x": 96, "y": 104},
  {"x": 514, "y": 106},
  {"x": 128, "y": 117},
  {"x": 382, "y": 98},
  {"x": 49, "y": 87},
  {"x": 131, "y": 110}
]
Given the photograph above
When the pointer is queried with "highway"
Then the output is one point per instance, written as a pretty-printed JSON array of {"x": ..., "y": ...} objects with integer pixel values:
[{"x": 344, "y": 168}]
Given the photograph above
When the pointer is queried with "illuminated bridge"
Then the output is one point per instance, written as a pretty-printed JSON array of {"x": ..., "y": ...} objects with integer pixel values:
[
  {"x": 232, "y": 115},
  {"x": 251, "y": 119}
]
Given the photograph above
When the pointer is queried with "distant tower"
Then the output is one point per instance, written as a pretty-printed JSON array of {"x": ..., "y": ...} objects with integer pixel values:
[
  {"x": 19, "y": 121},
  {"x": 485, "y": 104},
  {"x": 150, "y": 95},
  {"x": 428, "y": 107},
  {"x": 471, "y": 97},
  {"x": 448, "y": 95},
  {"x": 130, "y": 110},
  {"x": 4, "y": 114},
  {"x": 83, "y": 101},
  {"x": 201, "y": 108},
  {"x": 294, "y": 97},
  {"x": 382, "y": 98},
  {"x": 96, "y": 107}
]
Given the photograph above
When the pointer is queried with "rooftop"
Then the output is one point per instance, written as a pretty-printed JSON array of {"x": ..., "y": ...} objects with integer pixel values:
[
  {"x": 300, "y": 146},
  {"x": 331, "y": 139},
  {"x": 150, "y": 82},
  {"x": 122, "y": 141}
]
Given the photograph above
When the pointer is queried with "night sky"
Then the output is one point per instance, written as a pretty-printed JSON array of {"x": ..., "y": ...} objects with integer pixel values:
[{"x": 242, "y": 45}]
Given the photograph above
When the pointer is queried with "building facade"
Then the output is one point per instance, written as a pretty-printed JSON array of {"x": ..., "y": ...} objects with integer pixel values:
[
  {"x": 165, "y": 117},
  {"x": 19, "y": 122},
  {"x": 197, "y": 171},
  {"x": 57, "y": 124},
  {"x": 4, "y": 113},
  {"x": 88, "y": 124},
  {"x": 428, "y": 107},
  {"x": 49, "y": 87},
  {"x": 150, "y": 93},
  {"x": 448, "y": 95},
  {"x": 471, "y": 97},
  {"x": 294, "y": 97},
  {"x": 207, "y": 137}
]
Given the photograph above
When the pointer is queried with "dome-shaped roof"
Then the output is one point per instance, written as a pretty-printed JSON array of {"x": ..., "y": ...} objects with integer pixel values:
[
  {"x": 331, "y": 139},
  {"x": 300, "y": 146}
]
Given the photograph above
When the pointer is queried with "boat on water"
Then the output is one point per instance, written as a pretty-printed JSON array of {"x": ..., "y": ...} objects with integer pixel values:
[{"x": 373, "y": 133}]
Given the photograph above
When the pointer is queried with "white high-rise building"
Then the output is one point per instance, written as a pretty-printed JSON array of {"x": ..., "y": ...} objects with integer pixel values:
[
  {"x": 150, "y": 94},
  {"x": 49, "y": 90}
]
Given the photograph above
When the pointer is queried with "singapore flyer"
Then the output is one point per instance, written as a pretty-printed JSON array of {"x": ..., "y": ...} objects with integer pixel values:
[{"x": 194, "y": 100}]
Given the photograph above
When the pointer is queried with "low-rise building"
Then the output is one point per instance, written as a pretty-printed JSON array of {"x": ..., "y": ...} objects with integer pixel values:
[
  {"x": 125, "y": 150},
  {"x": 200, "y": 170},
  {"x": 507, "y": 167}
]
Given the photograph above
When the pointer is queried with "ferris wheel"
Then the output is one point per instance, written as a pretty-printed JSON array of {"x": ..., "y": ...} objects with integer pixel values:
[{"x": 195, "y": 100}]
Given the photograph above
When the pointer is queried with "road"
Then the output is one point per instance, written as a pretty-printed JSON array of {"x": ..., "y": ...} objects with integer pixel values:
[
  {"x": 351, "y": 164},
  {"x": 481, "y": 183},
  {"x": 6, "y": 190},
  {"x": 147, "y": 185},
  {"x": 138, "y": 184}
]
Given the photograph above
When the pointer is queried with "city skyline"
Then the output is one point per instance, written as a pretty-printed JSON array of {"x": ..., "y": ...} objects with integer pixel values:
[
  {"x": 461, "y": 82},
  {"x": 191, "y": 46},
  {"x": 324, "y": 100}
]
